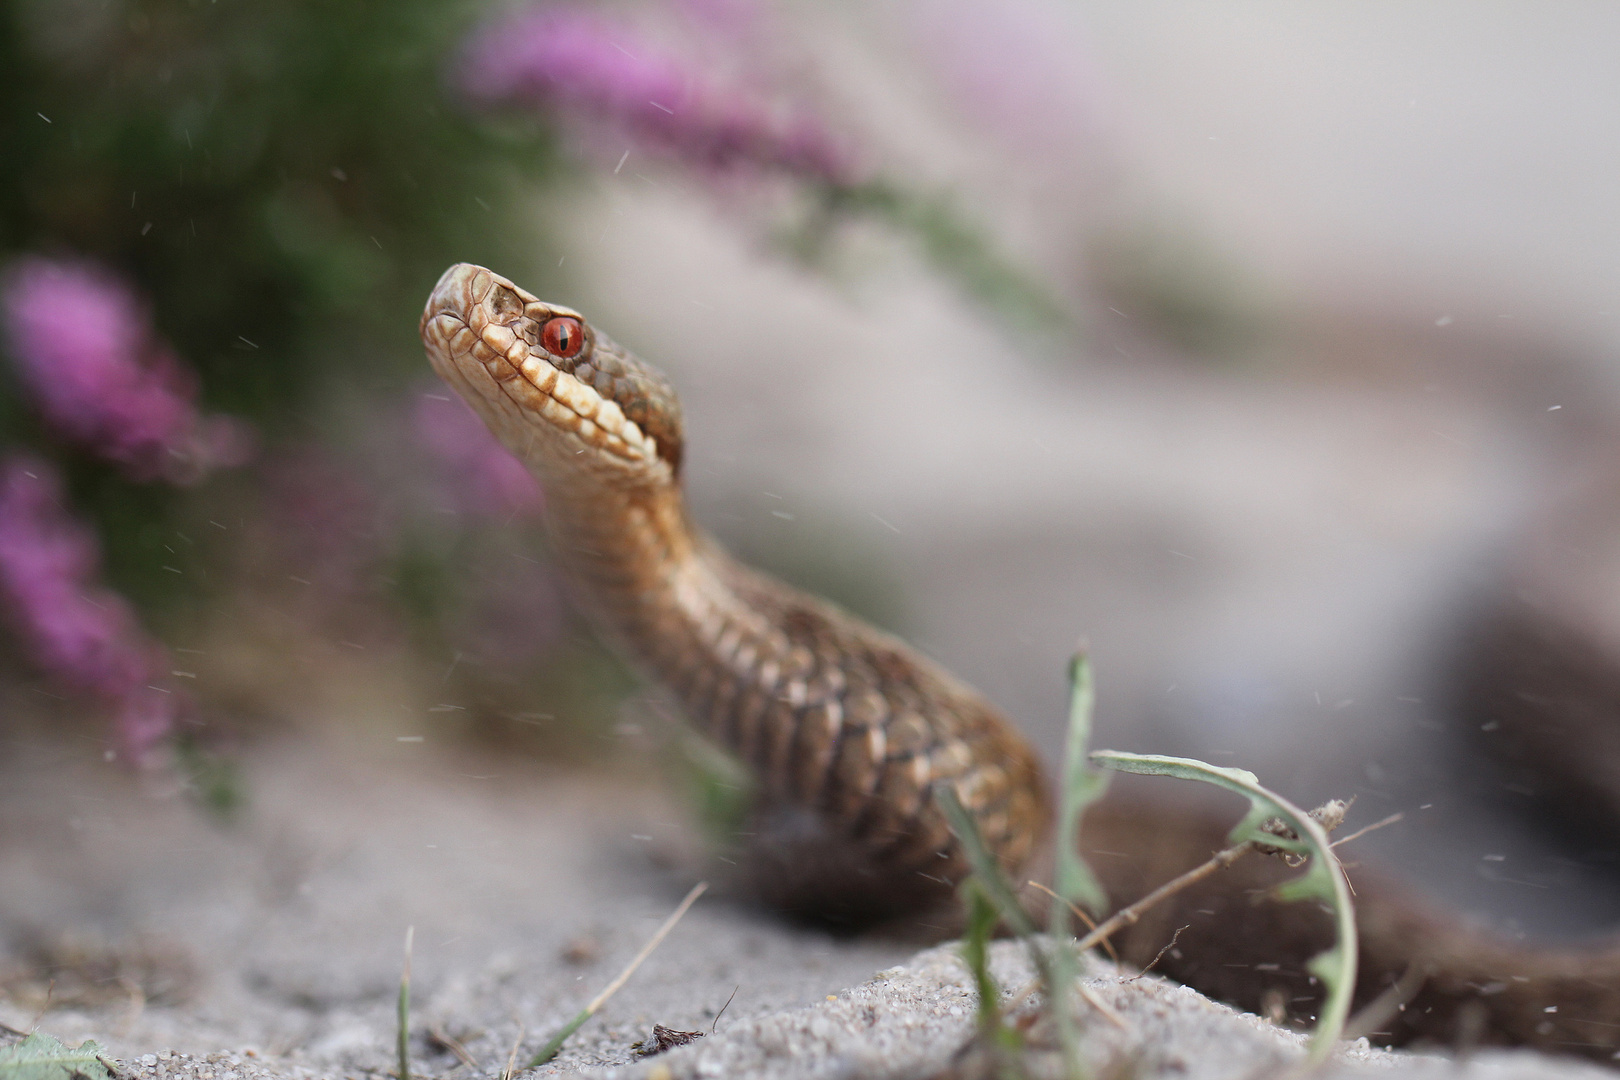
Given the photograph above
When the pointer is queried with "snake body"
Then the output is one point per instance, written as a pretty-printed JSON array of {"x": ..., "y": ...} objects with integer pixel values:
[{"x": 848, "y": 730}]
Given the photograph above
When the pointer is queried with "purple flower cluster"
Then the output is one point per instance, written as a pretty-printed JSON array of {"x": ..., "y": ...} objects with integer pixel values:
[
  {"x": 481, "y": 477},
  {"x": 1020, "y": 69},
  {"x": 584, "y": 69},
  {"x": 82, "y": 634},
  {"x": 85, "y": 349}
]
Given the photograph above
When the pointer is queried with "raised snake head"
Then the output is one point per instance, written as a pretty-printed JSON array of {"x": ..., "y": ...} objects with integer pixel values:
[{"x": 565, "y": 399}]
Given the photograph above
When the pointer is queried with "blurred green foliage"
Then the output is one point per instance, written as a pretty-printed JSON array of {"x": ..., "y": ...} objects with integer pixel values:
[
  {"x": 272, "y": 175},
  {"x": 1182, "y": 287},
  {"x": 282, "y": 180}
]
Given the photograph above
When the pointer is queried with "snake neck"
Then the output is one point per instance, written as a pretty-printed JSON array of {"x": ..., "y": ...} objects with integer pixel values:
[
  {"x": 625, "y": 552},
  {"x": 679, "y": 607},
  {"x": 846, "y": 729},
  {"x": 662, "y": 592}
]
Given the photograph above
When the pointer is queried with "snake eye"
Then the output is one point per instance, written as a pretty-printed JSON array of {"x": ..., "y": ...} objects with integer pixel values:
[{"x": 562, "y": 336}]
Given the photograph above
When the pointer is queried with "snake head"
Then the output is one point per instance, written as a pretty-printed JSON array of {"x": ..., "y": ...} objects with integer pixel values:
[{"x": 561, "y": 396}]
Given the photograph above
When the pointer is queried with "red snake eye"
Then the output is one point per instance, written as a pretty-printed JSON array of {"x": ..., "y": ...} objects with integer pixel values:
[{"x": 562, "y": 336}]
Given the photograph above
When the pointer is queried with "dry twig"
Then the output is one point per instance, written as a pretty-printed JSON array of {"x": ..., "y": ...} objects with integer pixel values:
[
  {"x": 1128, "y": 916},
  {"x": 549, "y": 1051},
  {"x": 511, "y": 1059},
  {"x": 1160, "y": 954},
  {"x": 1079, "y": 913},
  {"x": 452, "y": 1044},
  {"x": 1359, "y": 833}
]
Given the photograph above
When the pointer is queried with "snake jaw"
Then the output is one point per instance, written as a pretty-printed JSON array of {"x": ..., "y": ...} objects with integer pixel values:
[{"x": 482, "y": 335}]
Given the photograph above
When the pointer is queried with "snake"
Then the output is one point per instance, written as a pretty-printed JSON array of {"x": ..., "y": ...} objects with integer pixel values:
[{"x": 850, "y": 733}]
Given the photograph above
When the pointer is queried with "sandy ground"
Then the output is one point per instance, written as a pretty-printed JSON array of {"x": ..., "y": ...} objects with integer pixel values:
[
  {"x": 273, "y": 947},
  {"x": 285, "y": 932}
]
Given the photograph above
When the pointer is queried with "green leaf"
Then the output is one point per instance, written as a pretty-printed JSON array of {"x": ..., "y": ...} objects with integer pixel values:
[
  {"x": 1057, "y": 967},
  {"x": 981, "y": 925},
  {"x": 955, "y": 246},
  {"x": 1073, "y": 880},
  {"x": 1082, "y": 786},
  {"x": 40, "y": 1057},
  {"x": 1323, "y": 878},
  {"x": 986, "y": 870}
]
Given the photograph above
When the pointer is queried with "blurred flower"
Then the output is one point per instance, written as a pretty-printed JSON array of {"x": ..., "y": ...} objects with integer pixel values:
[
  {"x": 324, "y": 525},
  {"x": 515, "y": 614},
  {"x": 84, "y": 347},
  {"x": 601, "y": 77},
  {"x": 480, "y": 476},
  {"x": 510, "y": 608},
  {"x": 1020, "y": 69},
  {"x": 589, "y": 70},
  {"x": 82, "y": 634}
]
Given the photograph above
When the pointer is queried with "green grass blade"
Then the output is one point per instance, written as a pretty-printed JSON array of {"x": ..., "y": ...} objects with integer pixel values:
[
  {"x": 404, "y": 1040},
  {"x": 984, "y": 866},
  {"x": 1082, "y": 785},
  {"x": 1057, "y": 967},
  {"x": 981, "y": 925},
  {"x": 549, "y": 1051}
]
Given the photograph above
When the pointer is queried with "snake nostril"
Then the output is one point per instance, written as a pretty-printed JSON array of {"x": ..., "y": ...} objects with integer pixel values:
[{"x": 505, "y": 303}]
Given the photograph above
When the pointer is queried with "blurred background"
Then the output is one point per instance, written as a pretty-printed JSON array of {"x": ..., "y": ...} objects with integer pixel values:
[{"x": 1268, "y": 347}]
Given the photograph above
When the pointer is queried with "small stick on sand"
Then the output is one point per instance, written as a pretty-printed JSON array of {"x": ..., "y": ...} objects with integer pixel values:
[
  {"x": 549, "y": 1051},
  {"x": 511, "y": 1059}
]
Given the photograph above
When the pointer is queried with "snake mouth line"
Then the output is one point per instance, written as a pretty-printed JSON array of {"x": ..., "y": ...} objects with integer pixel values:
[{"x": 541, "y": 392}]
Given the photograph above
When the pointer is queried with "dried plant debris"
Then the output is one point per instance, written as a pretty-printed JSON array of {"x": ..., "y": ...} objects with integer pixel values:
[
  {"x": 83, "y": 971},
  {"x": 663, "y": 1039},
  {"x": 582, "y": 950},
  {"x": 549, "y": 1051}
]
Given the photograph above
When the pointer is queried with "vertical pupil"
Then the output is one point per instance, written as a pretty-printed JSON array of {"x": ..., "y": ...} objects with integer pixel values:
[{"x": 562, "y": 337}]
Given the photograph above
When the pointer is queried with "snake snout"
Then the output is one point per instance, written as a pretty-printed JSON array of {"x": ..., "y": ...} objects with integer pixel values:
[{"x": 457, "y": 290}]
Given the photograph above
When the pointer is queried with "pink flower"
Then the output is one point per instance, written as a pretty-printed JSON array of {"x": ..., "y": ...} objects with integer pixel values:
[
  {"x": 516, "y": 613},
  {"x": 480, "y": 476},
  {"x": 84, "y": 347},
  {"x": 1020, "y": 69},
  {"x": 587, "y": 70},
  {"x": 85, "y": 635},
  {"x": 323, "y": 525}
]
